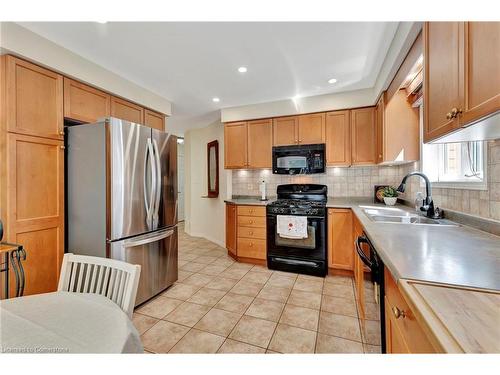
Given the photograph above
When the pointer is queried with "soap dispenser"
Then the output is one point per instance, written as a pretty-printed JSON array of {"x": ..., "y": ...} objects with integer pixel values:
[{"x": 419, "y": 201}]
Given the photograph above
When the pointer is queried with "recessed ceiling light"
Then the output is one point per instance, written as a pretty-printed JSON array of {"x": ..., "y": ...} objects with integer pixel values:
[
  {"x": 216, "y": 100},
  {"x": 332, "y": 80},
  {"x": 242, "y": 69},
  {"x": 102, "y": 22}
]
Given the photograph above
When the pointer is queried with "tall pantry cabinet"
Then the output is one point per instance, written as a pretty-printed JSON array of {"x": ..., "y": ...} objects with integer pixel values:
[{"x": 32, "y": 167}]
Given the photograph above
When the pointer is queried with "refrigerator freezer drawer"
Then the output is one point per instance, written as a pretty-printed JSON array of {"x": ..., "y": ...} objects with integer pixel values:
[{"x": 156, "y": 253}]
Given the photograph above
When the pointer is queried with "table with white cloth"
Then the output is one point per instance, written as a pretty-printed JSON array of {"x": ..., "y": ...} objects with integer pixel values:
[{"x": 63, "y": 322}]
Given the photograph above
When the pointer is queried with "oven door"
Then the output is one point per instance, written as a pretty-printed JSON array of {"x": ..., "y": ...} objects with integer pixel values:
[{"x": 312, "y": 247}]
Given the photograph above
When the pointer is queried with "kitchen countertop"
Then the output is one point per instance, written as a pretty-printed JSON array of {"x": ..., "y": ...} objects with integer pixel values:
[
  {"x": 249, "y": 201},
  {"x": 456, "y": 319},
  {"x": 456, "y": 255}
]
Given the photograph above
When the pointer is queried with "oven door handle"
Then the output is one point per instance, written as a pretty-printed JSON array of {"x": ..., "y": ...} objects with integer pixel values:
[{"x": 361, "y": 253}]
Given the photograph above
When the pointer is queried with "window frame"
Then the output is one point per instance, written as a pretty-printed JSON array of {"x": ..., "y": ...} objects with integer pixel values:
[{"x": 466, "y": 185}]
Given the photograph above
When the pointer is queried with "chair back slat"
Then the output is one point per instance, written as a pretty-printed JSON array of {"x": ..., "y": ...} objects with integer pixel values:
[
  {"x": 113, "y": 279},
  {"x": 86, "y": 285},
  {"x": 105, "y": 281},
  {"x": 74, "y": 268},
  {"x": 121, "y": 289},
  {"x": 95, "y": 275},
  {"x": 109, "y": 290}
]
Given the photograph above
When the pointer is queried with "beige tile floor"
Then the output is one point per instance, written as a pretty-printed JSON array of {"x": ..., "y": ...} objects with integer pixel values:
[{"x": 221, "y": 306}]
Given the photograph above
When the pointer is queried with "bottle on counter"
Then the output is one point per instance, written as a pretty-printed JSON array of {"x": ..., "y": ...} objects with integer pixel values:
[{"x": 419, "y": 201}]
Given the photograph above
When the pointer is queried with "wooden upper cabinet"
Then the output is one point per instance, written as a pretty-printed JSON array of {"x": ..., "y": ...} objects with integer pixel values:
[
  {"x": 235, "y": 145},
  {"x": 311, "y": 128},
  {"x": 260, "y": 143},
  {"x": 338, "y": 138},
  {"x": 35, "y": 197},
  {"x": 398, "y": 130},
  {"x": 285, "y": 131},
  {"x": 34, "y": 100},
  {"x": 126, "y": 110},
  {"x": 154, "y": 120},
  {"x": 340, "y": 239},
  {"x": 231, "y": 225},
  {"x": 443, "y": 77},
  {"x": 482, "y": 62},
  {"x": 84, "y": 103},
  {"x": 363, "y": 136}
]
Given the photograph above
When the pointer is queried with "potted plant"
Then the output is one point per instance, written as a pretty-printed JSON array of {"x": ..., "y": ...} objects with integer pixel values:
[{"x": 390, "y": 196}]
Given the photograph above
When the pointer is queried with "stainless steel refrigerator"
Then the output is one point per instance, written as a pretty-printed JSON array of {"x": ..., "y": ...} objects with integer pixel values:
[{"x": 122, "y": 198}]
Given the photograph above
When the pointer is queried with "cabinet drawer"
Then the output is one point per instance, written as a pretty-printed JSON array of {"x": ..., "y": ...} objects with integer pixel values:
[
  {"x": 251, "y": 221},
  {"x": 411, "y": 331},
  {"x": 251, "y": 211},
  {"x": 249, "y": 232},
  {"x": 251, "y": 248}
]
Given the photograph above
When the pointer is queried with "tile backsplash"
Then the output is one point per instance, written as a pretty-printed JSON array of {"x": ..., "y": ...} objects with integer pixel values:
[
  {"x": 359, "y": 182},
  {"x": 341, "y": 182}
]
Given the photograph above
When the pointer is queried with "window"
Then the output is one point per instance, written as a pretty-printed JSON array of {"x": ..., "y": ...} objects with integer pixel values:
[{"x": 456, "y": 165}]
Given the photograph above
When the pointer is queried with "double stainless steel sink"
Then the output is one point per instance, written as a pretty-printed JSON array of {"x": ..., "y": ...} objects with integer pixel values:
[{"x": 397, "y": 215}]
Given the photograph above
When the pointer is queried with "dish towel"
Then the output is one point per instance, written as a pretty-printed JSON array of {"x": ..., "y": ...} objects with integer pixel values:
[{"x": 294, "y": 227}]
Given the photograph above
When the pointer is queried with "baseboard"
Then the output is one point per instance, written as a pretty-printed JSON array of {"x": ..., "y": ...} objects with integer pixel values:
[{"x": 217, "y": 242}]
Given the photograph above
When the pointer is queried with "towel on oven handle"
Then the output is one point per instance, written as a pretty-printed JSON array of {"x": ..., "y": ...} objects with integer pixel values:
[{"x": 294, "y": 227}]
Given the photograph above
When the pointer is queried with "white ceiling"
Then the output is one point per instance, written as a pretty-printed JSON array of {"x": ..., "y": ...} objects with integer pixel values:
[{"x": 189, "y": 63}]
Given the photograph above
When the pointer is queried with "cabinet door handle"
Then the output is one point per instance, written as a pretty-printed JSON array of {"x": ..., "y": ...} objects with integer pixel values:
[
  {"x": 455, "y": 112},
  {"x": 251, "y": 244},
  {"x": 62, "y": 147},
  {"x": 250, "y": 233},
  {"x": 61, "y": 132},
  {"x": 449, "y": 116},
  {"x": 398, "y": 313}
]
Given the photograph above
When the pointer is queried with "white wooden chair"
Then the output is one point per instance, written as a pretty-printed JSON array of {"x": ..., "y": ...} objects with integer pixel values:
[{"x": 111, "y": 278}]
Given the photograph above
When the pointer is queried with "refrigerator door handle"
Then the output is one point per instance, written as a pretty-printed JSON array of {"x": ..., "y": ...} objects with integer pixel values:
[
  {"x": 149, "y": 206},
  {"x": 143, "y": 240},
  {"x": 156, "y": 206}
]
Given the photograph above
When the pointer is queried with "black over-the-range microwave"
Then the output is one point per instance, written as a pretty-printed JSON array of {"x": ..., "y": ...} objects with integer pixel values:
[{"x": 302, "y": 159}]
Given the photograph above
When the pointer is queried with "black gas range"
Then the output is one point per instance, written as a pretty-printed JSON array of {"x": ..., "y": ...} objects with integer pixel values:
[{"x": 304, "y": 255}]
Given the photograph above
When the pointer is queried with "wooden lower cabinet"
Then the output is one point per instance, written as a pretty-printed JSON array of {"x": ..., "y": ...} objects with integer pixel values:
[
  {"x": 340, "y": 239},
  {"x": 231, "y": 227},
  {"x": 403, "y": 332},
  {"x": 251, "y": 248},
  {"x": 35, "y": 201},
  {"x": 246, "y": 232},
  {"x": 394, "y": 340}
]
